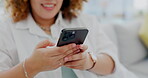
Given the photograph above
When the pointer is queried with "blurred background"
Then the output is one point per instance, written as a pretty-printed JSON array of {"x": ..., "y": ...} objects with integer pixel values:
[
  {"x": 1, "y": 6},
  {"x": 122, "y": 21},
  {"x": 116, "y": 10},
  {"x": 113, "y": 10}
]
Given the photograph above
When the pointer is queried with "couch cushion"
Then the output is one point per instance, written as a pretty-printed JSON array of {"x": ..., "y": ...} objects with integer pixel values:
[
  {"x": 131, "y": 50},
  {"x": 141, "y": 67},
  {"x": 144, "y": 32}
]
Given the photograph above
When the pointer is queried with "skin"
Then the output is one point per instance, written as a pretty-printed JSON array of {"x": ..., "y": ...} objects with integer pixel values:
[
  {"x": 43, "y": 16},
  {"x": 48, "y": 59}
]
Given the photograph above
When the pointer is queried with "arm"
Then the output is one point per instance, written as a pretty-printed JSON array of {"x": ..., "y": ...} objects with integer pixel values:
[
  {"x": 17, "y": 72},
  {"x": 42, "y": 59},
  {"x": 104, "y": 65}
]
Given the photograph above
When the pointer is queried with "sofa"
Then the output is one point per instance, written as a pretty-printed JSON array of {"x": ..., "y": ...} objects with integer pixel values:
[{"x": 131, "y": 50}]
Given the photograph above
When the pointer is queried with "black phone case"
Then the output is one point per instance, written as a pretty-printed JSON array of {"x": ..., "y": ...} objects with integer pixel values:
[{"x": 72, "y": 35}]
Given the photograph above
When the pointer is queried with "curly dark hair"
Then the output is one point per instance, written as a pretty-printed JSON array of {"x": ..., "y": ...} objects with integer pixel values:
[{"x": 19, "y": 11}]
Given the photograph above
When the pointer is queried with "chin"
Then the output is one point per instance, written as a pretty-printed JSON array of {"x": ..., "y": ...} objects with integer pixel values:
[{"x": 47, "y": 16}]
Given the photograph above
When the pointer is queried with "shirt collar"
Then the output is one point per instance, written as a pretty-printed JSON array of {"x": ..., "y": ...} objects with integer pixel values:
[{"x": 30, "y": 24}]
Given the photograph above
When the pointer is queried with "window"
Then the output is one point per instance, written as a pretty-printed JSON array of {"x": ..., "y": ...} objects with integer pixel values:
[{"x": 110, "y": 10}]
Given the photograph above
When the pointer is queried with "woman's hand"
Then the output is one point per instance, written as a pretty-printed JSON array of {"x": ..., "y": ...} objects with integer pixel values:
[
  {"x": 81, "y": 60},
  {"x": 46, "y": 59}
]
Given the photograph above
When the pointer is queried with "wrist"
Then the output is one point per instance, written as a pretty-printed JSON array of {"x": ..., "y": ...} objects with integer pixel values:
[
  {"x": 93, "y": 60},
  {"x": 30, "y": 68}
]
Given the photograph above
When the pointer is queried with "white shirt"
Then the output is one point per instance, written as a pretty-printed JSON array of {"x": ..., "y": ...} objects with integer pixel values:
[{"x": 18, "y": 40}]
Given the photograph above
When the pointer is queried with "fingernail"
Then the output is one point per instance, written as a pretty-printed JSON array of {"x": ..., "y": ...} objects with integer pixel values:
[{"x": 66, "y": 59}]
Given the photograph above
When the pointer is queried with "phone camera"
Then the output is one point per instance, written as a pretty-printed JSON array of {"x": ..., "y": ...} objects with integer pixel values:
[
  {"x": 69, "y": 36},
  {"x": 73, "y": 32},
  {"x": 64, "y": 38}
]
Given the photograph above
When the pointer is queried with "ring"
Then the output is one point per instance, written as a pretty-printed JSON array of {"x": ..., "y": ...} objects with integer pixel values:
[{"x": 60, "y": 64}]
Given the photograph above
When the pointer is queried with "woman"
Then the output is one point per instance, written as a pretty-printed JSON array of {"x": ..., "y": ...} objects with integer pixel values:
[{"x": 35, "y": 25}]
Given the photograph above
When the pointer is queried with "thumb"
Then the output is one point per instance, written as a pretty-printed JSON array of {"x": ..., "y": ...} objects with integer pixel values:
[{"x": 44, "y": 44}]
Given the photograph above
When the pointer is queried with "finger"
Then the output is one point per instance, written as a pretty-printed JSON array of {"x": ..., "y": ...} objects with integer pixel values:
[
  {"x": 77, "y": 52},
  {"x": 44, "y": 44},
  {"x": 62, "y": 58},
  {"x": 74, "y": 63},
  {"x": 83, "y": 47},
  {"x": 78, "y": 56},
  {"x": 76, "y": 67},
  {"x": 64, "y": 54},
  {"x": 65, "y": 48},
  {"x": 70, "y": 52},
  {"x": 58, "y": 52}
]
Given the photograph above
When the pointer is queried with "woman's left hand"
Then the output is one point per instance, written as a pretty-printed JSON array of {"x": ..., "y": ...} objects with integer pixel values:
[{"x": 81, "y": 60}]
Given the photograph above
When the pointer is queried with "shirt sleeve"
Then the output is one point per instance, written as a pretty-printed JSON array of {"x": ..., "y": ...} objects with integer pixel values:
[
  {"x": 104, "y": 45},
  {"x": 6, "y": 61}
]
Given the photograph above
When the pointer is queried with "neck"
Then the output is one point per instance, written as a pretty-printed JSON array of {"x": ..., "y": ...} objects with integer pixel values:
[{"x": 44, "y": 22}]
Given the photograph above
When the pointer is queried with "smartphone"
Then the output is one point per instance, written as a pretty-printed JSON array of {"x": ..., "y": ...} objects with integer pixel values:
[{"x": 72, "y": 35}]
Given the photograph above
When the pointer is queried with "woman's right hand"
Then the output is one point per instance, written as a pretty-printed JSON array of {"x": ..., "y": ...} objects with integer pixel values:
[{"x": 47, "y": 59}]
